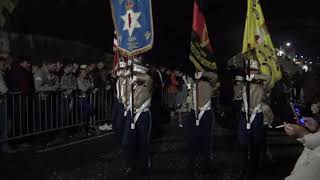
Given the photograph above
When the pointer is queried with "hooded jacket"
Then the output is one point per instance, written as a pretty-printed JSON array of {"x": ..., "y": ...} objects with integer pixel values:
[{"x": 308, "y": 164}]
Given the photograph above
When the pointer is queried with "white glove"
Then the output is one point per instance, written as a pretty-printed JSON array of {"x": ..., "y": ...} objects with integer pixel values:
[
  {"x": 249, "y": 78},
  {"x": 95, "y": 90},
  {"x": 198, "y": 75},
  {"x": 189, "y": 85},
  {"x": 127, "y": 73},
  {"x": 134, "y": 79},
  {"x": 108, "y": 87},
  {"x": 119, "y": 73}
]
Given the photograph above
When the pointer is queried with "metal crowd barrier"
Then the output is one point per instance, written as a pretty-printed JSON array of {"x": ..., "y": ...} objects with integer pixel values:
[
  {"x": 174, "y": 100},
  {"x": 27, "y": 115}
]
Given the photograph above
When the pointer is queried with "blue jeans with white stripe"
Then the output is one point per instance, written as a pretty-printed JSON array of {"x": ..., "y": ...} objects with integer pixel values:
[
  {"x": 136, "y": 141},
  {"x": 118, "y": 118},
  {"x": 3, "y": 120},
  {"x": 199, "y": 138},
  {"x": 251, "y": 143}
]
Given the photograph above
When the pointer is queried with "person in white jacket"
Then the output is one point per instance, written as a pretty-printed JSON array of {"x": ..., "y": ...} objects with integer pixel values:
[{"x": 308, "y": 165}]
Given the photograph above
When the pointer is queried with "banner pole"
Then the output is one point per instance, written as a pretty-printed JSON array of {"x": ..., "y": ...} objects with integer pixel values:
[{"x": 132, "y": 93}]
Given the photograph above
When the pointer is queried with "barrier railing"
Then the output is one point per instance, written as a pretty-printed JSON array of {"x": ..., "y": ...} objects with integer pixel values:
[
  {"x": 26, "y": 115},
  {"x": 174, "y": 99}
]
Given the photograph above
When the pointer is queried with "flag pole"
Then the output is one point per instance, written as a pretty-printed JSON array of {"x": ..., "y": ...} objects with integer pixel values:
[
  {"x": 197, "y": 100},
  {"x": 132, "y": 93},
  {"x": 248, "y": 85}
]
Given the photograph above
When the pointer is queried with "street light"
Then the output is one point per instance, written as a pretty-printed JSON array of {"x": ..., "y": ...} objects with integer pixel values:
[{"x": 288, "y": 44}]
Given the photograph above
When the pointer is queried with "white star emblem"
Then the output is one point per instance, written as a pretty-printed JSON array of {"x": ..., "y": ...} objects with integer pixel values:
[{"x": 131, "y": 21}]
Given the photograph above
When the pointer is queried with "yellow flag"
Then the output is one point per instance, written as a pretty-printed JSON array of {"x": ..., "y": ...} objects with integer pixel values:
[{"x": 257, "y": 38}]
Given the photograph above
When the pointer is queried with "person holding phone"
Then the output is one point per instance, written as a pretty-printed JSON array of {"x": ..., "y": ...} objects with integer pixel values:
[{"x": 307, "y": 166}]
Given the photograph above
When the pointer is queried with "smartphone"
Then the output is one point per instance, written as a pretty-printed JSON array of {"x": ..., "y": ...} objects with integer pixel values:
[{"x": 297, "y": 110}]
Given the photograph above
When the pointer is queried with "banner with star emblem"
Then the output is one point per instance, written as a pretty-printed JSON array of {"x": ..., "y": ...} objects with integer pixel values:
[
  {"x": 257, "y": 38},
  {"x": 201, "y": 52},
  {"x": 134, "y": 25}
]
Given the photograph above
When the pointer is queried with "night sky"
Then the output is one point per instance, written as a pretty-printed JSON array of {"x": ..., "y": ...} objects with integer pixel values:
[{"x": 89, "y": 21}]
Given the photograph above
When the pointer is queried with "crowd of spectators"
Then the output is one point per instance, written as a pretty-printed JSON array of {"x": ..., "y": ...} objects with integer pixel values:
[{"x": 53, "y": 94}]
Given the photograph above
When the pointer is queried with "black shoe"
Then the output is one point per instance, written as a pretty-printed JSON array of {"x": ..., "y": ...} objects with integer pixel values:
[
  {"x": 245, "y": 176},
  {"x": 191, "y": 167},
  {"x": 205, "y": 167},
  {"x": 56, "y": 141},
  {"x": 145, "y": 172},
  {"x": 5, "y": 148},
  {"x": 242, "y": 176},
  {"x": 130, "y": 171}
]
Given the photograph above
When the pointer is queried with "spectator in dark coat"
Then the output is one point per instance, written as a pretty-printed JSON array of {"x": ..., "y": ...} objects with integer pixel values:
[
  {"x": 20, "y": 80},
  {"x": 75, "y": 69},
  {"x": 100, "y": 76},
  {"x": 59, "y": 70},
  {"x": 3, "y": 120}
]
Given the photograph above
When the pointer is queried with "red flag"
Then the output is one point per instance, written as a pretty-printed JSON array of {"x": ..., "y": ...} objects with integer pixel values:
[
  {"x": 201, "y": 54},
  {"x": 199, "y": 26}
]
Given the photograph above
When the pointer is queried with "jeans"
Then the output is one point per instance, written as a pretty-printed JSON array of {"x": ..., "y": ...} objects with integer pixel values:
[
  {"x": 3, "y": 120},
  {"x": 199, "y": 138},
  {"x": 86, "y": 110},
  {"x": 118, "y": 118},
  {"x": 251, "y": 143},
  {"x": 136, "y": 141}
]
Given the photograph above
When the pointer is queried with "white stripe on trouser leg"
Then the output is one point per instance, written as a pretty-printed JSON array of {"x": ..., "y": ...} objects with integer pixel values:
[
  {"x": 150, "y": 125},
  {"x": 212, "y": 142},
  {"x": 143, "y": 108},
  {"x": 203, "y": 109}
]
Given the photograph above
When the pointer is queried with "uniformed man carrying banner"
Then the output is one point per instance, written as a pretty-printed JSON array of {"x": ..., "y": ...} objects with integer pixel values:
[
  {"x": 251, "y": 128},
  {"x": 134, "y": 29},
  {"x": 198, "y": 124},
  {"x": 137, "y": 125}
]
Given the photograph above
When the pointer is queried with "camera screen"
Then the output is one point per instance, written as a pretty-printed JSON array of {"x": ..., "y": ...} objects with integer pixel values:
[{"x": 298, "y": 111}]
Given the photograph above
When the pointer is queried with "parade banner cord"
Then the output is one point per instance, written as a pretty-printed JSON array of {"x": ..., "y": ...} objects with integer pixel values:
[
  {"x": 201, "y": 49},
  {"x": 115, "y": 51},
  {"x": 134, "y": 25},
  {"x": 257, "y": 38}
]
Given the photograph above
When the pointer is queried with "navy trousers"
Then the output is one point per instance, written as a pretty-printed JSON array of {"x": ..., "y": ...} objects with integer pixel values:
[
  {"x": 199, "y": 137},
  {"x": 251, "y": 143},
  {"x": 3, "y": 120},
  {"x": 86, "y": 110},
  {"x": 136, "y": 141},
  {"x": 118, "y": 118}
]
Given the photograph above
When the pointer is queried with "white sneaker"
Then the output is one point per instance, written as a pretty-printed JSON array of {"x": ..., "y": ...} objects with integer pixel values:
[{"x": 105, "y": 127}]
